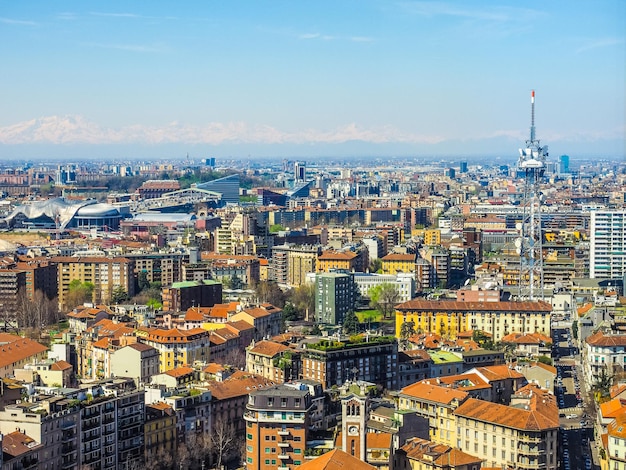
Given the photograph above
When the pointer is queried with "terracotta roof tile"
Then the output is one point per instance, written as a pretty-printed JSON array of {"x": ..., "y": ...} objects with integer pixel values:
[
  {"x": 433, "y": 393},
  {"x": 336, "y": 460}
]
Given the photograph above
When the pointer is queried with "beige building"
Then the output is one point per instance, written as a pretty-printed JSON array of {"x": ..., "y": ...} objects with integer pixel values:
[
  {"x": 523, "y": 435},
  {"x": 438, "y": 405},
  {"x": 138, "y": 361},
  {"x": 106, "y": 274},
  {"x": 616, "y": 443},
  {"x": 177, "y": 347},
  {"x": 264, "y": 359}
]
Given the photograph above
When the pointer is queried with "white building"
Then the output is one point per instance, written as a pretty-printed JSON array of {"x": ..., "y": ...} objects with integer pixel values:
[
  {"x": 604, "y": 352},
  {"x": 404, "y": 282},
  {"x": 607, "y": 254}
]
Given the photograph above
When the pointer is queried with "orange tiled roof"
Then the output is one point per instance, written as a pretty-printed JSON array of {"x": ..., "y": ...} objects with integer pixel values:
[
  {"x": 61, "y": 365},
  {"x": 439, "y": 454},
  {"x": 378, "y": 440},
  {"x": 267, "y": 348},
  {"x": 15, "y": 349},
  {"x": 617, "y": 389},
  {"x": 180, "y": 372},
  {"x": 336, "y": 459},
  {"x": 499, "y": 372},
  {"x": 239, "y": 384},
  {"x": 409, "y": 258},
  {"x": 541, "y": 414},
  {"x": 617, "y": 427},
  {"x": 612, "y": 408},
  {"x": 337, "y": 256},
  {"x": 600, "y": 339},
  {"x": 433, "y": 393}
]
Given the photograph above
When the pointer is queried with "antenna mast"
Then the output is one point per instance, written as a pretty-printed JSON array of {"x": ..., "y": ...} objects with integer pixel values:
[{"x": 531, "y": 165}]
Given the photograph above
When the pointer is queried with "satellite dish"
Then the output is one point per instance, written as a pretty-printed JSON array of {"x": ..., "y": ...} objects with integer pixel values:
[
  {"x": 518, "y": 226},
  {"x": 518, "y": 242},
  {"x": 518, "y": 251}
]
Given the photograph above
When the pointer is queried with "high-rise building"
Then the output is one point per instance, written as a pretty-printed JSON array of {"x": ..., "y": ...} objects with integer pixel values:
[
  {"x": 277, "y": 423},
  {"x": 564, "y": 164},
  {"x": 334, "y": 296},
  {"x": 228, "y": 186},
  {"x": 300, "y": 171},
  {"x": 463, "y": 167},
  {"x": 607, "y": 254}
]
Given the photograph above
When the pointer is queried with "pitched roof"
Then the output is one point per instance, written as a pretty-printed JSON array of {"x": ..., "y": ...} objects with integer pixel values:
[
  {"x": 612, "y": 408},
  {"x": 238, "y": 384},
  {"x": 17, "y": 443},
  {"x": 433, "y": 393},
  {"x": 541, "y": 412},
  {"x": 15, "y": 349},
  {"x": 336, "y": 459},
  {"x": 600, "y": 339},
  {"x": 452, "y": 305},
  {"x": 498, "y": 372},
  {"x": 180, "y": 372},
  {"x": 617, "y": 427},
  {"x": 61, "y": 365},
  {"x": 267, "y": 348},
  {"x": 438, "y": 454}
]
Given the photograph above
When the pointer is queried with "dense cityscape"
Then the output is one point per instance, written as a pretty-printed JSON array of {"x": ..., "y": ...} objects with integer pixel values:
[
  {"x": 323, "y": 235},
  {"x": 201, "y": 314}
]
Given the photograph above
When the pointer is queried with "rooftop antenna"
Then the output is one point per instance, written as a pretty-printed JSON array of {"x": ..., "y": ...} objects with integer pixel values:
[{"x": 532, "y": 165}]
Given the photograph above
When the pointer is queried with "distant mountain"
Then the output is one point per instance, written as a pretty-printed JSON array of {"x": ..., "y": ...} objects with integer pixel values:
[{"x": 75, "y": 136}]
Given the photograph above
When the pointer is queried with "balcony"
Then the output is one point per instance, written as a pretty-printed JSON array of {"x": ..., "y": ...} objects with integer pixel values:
[
  {"x": 283, "y": 444},
  {"x": 283, "y": 432},
  {"x": 283, "y": 456},
  {"x": 283, "y": 468}
]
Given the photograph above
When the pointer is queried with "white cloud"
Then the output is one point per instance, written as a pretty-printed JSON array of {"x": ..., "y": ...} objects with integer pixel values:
[
  {"x": 599, "y": 43},
  {"x": 17, "y": 22}
]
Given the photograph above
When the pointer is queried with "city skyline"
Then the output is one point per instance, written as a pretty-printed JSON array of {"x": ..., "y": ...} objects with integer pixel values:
[{"x": 281, "y": 79}]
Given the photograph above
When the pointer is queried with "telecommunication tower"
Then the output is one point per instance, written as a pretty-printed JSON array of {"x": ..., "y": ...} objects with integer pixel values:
[{"x": 532, "y": 165}]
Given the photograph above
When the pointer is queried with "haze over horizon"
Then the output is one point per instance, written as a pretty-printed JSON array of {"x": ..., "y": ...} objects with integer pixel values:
[{"x": 288, "y": 79}]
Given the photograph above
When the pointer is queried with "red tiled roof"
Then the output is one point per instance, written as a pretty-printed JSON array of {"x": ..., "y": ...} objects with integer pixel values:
[
  {"x": 433, "y": 393},
  {"x": 267, "y": 348}
]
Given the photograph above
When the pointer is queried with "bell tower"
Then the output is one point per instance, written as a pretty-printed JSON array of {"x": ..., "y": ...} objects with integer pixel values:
[{"x": 354, "y": 412}]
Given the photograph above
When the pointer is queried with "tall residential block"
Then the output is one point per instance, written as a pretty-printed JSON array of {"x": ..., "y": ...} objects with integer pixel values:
[
  {"x": 607, "y": 254},
  {"x": 334, "y": 297}
]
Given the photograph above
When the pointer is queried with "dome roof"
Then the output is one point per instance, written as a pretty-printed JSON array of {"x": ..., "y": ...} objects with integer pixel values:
[{"x": 98, "y": 210}]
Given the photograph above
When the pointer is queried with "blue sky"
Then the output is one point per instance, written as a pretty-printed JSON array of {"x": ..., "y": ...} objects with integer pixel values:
[{"x": 261, "y": 78}]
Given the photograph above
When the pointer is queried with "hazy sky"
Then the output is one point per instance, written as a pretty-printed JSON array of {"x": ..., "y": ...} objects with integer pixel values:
[{"x": 263, "y": 77}]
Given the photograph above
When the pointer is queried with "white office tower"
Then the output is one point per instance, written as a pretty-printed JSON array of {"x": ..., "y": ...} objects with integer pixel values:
[{"x": 607, "y": 257}]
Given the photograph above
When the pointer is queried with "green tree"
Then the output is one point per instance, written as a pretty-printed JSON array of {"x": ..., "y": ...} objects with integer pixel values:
[
  {"x": 303, "y": 298},
  {"x": 407, "y": 329},
  {"x": 384, "y": 298},
  {"x": 350, "y": 323},
  {"x": 78, "y": 293},
  {"x": 119, "y": 295},
  {"x": 276, "y": 228},
  {"x": 376, "y": 265},
  {"x": 269, "y": 292},
  {"x": 290, "y": 312},
  {"x": 235, "y": 282},
  {"x": 142, "y": 281}
]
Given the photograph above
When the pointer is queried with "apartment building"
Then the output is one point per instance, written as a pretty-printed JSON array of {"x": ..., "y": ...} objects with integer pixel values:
[
  {"x": 53, "y": 423},
  {"x": 272, "y": 360},
  {"x": 16, "y": 352},
  {"x": 277, "y": 421},
  {"x": 523, "y": 435},
  {"x": 181, "y": 296},
  {"x": 437, "y": 404},
  {"x": 266, "y": 320},
  {"x": 615, "y": 445},
  {"x": 111, "y": 429},
  {"x": 341, "y": 260},
  {"x": 290, "y": 264},
  {"x": 334, "y": 297},
  {"x": 105, "y": 273},
  {"x": 449, "y": 318},
  {"x": 332, "y": 362},
  {"x": 165, "y": 268},
  {"x": 607, "y": 254},
  {"x": 395, "y": 263},
  {"x": 177, "y": 347},
  {"x": 605, "y": 353}
]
